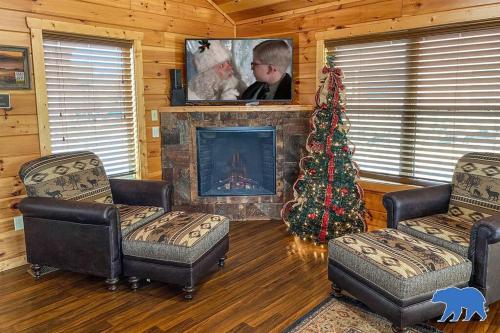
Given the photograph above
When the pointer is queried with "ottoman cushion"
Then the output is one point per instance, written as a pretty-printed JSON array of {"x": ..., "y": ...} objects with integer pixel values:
[
  {"x": 176, "y": 237},
  {"x": 133, "y": 217},
  {"x": 400, "y": 264},
  {"x": 442, "y": 229}
]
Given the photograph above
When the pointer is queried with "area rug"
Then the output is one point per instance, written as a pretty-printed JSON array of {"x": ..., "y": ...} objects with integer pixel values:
[{"x": 345, "y": 315}]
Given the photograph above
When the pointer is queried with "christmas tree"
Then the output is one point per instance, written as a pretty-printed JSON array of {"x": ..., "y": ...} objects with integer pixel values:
[{"x": 327, "y": 202}]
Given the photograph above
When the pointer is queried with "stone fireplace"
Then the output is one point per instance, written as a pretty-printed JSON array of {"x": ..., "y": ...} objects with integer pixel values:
[{"x": 241, "y": 164}]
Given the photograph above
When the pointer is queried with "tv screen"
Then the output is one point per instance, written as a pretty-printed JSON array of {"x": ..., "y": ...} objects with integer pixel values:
[{"x": 232, "y": 70}]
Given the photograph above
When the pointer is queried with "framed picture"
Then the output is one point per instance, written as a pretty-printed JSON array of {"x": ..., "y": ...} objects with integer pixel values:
[{"x": 14, "y": 68}]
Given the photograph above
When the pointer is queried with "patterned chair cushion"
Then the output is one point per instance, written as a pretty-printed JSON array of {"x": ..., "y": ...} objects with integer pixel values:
[
  {"x": 476, "y": 187},
  {"x": 78, "y": 176},
  {"x": 176, "y": 237},
  {"x": 442, "y": 230},
  {"x": 400, "y": 264},
  {"x": 133, "y": 217}
]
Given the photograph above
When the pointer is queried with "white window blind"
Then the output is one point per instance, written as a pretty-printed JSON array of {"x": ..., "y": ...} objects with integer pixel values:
[
  {"x": 91, "y": 100},
  {"x": 417, "y": 104}
]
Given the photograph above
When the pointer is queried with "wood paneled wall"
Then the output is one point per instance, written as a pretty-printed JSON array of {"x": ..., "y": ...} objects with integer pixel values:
[
  {"x": 373, "y": 194},
  {"x": 358, "y": 17},
  {"x": 165, "y": 24},
  {"x": 348, "y": 14}
]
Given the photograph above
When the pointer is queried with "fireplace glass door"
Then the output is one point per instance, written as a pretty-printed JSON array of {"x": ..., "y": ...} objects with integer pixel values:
[{"x": 236, "y": 161}]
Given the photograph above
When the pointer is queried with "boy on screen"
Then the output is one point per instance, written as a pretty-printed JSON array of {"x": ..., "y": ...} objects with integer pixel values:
[{"x": 270, "y": 62}]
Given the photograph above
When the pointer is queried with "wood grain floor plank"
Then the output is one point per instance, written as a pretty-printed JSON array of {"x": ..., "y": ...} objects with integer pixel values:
[{"x": 270, "y": 280}]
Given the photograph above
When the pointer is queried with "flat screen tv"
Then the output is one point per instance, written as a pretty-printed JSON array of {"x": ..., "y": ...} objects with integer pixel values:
[{"x": 238, "y": 70}]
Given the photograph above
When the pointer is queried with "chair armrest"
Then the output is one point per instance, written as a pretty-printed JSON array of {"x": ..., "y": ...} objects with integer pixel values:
[
  {"x": 68, "y": 210},
  {"x": 142, "y": 193},
  {"x": 409, "y": 204},
  {"x": 484, "y": 252},
  {"x": 486, "y": 230}
]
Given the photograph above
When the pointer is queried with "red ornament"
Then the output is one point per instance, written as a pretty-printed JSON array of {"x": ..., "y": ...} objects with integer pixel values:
[
  {"x": 340, "y": 211},
  {"x": 345, "y": 148},
  {"x": 311, "y": 216},
  {"x": 312, "y": 172},
  {"x": 324, "y": 106},
  {"x": 344, "y": 191}
]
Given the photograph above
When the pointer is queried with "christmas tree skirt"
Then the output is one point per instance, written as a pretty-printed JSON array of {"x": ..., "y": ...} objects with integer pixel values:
[{"x": 346, "y": 315}]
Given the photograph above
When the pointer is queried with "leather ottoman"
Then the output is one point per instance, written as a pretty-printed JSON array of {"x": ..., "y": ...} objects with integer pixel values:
[
  {"x": 395, "y": 274},
  {"x": 177, "y": 247}
]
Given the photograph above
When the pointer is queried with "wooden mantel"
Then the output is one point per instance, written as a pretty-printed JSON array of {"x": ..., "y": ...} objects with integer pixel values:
[{"x": 235, "y": 108}]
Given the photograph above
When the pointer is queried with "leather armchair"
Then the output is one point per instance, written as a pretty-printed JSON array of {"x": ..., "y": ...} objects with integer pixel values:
[
  {"x": 85, "y": 237},
  {"x": 74, "y": 215},
  {"x": 484, "y": 246}
]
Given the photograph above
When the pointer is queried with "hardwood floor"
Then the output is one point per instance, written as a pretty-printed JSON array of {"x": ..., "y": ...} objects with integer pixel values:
[{"x": 270, "y": 280}]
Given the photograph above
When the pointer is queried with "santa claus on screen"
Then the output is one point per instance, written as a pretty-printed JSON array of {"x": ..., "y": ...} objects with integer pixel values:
[{"x": 215, "y": 78}]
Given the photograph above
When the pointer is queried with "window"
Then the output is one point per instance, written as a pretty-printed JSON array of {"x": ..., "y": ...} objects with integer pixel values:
[
  {"x": 417, "y": 103},
  {"x": 91, "y": 99}
]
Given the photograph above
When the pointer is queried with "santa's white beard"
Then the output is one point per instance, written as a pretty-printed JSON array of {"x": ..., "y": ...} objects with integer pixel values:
[{"x": 209, "y": 86}]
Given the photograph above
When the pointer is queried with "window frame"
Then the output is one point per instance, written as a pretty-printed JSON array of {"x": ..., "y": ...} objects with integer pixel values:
[
  {"x": 411, "y": 26},
  {"x": 38, "y": 27}
]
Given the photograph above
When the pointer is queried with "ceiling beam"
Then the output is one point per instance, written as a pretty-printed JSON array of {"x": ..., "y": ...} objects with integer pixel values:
[
  {"x": 313, "y": 8},
  {"x": 221, "y": 11},
  {"x": 240, "y": 5}
]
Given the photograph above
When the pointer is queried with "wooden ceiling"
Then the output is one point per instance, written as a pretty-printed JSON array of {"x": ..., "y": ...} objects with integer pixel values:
[{"x": 244, "y": 10}]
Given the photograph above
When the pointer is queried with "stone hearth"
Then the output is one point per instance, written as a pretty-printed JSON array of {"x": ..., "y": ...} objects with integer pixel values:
[{"x": 179, "y": 160}]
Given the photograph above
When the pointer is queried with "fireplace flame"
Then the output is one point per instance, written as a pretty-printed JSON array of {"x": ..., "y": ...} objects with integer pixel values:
[{"x": 237, "y": 176}]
